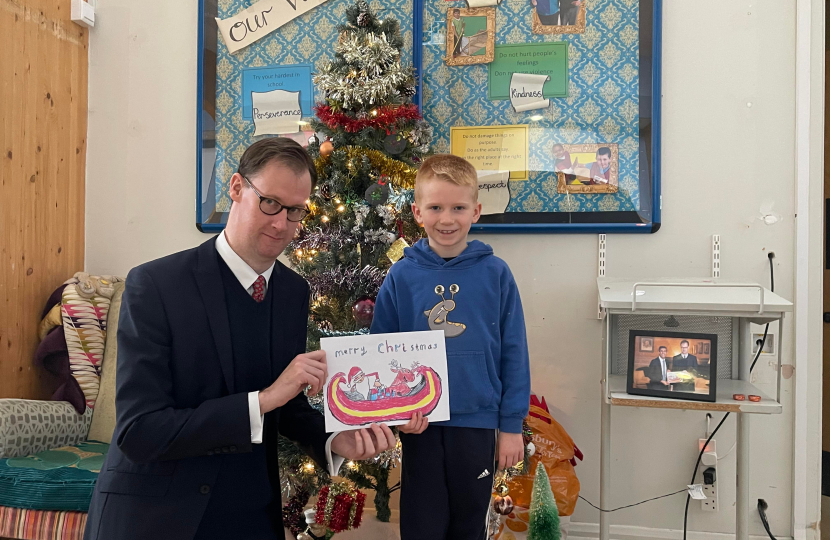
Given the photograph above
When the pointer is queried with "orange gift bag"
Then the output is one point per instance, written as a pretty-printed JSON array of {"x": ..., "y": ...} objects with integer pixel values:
[{"x": 557, "y": 451}]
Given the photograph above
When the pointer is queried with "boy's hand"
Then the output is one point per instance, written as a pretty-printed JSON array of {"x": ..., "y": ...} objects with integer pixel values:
[
  {"x": 417, "y": 424},
  {"x": 511, "y": 449}
]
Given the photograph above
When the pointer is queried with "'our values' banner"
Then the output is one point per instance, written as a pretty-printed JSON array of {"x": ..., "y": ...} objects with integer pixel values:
[{"x": 261, "y": 19}]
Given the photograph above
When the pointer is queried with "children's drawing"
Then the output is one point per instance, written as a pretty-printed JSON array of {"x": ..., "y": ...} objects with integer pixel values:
[
  {"x": 438, "y": 314},
  {"x": 385, "y": 378}
]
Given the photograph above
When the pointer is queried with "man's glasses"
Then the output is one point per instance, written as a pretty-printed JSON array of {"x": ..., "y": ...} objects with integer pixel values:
[{"x": 272, "y": 207}]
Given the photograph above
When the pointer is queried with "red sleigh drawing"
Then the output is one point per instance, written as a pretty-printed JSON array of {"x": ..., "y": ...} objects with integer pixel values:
[{"x": 398, "y": 401}]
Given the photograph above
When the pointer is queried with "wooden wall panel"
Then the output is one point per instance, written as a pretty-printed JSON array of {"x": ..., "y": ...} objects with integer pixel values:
[{"x": 43, "y": 105}]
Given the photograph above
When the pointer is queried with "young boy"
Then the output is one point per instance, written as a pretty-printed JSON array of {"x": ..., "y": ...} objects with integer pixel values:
[{"x": 445, "y": 283}]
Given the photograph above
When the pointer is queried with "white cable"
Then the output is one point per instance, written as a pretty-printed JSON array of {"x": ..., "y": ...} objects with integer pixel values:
[{"x": 728, "y": 451}]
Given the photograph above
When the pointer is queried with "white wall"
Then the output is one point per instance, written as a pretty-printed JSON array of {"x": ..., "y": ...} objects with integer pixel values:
[{"x": 728, "y": 147}]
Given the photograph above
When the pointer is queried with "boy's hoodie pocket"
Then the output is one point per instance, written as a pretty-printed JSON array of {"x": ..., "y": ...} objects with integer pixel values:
[{"x": 470, "y": 387}]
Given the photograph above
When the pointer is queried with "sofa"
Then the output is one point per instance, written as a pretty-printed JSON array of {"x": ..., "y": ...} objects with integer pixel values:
[{"x": 51, "y": 451}]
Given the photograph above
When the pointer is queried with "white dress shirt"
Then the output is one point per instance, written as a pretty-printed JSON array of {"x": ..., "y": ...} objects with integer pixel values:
[
  {"x": 247, "y": 276},
  {"x": 663, "y": 366}
]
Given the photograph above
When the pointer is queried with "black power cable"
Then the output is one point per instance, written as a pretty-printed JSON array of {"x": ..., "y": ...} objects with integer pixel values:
[
  {"x": 761, "y": 344},
  {"x": 763, "y": 341},
  {"x": 635, "y": 504},
  {"x": 762, "y": 511}
]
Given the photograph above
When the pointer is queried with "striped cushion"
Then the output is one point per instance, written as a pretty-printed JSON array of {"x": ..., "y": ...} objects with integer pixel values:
[{"x": 41, "y": 524}]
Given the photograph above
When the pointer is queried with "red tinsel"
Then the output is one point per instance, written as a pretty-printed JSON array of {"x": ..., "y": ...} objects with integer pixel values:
[
  {"x": 336, "y": 516},
  {"x": 358, "y": 515},
  {"x": 340, "y": 513},
  {"x": 383, "y": 119}
]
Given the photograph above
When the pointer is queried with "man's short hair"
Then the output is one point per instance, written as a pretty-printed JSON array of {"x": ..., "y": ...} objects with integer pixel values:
[
  {"x": 280, "y": 149},
  {"x": 456, "y": 11},
  {"x": 448, "y": 168},
  {"x": 684, "y": 341},
  {"x": 662, "y": 347},
  {"x": 604, "y": 151}
]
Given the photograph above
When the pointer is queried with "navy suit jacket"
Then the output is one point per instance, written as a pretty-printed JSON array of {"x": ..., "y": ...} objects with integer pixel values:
[
  {"x": 177, "y": 410},
  {"x": 655, "y": 375}
]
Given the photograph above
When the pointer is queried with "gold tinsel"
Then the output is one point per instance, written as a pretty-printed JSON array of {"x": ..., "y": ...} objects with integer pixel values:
[
  {"x": 400, "y": 174},
  {"x": 395, "y": 251}
]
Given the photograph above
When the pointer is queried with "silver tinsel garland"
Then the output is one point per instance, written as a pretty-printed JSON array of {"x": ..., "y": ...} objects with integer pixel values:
[
  {"x": 360, "y": 89},
  {"x": 386, "y": 213},
  {"x": 371, "y": 56},
  {"x": 339, "y": 278},
  {"x": 493, "y": 523}
]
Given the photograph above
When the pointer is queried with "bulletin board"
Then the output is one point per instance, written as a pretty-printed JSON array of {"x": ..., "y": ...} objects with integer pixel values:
[
  {"x": 602, "y": 116},
  {"x": 559, "y": 110},
  {"x": 286, "y": 59}
]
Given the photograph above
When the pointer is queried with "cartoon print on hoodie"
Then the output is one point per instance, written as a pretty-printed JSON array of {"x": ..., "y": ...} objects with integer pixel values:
[{"x": 438, "y": 314}]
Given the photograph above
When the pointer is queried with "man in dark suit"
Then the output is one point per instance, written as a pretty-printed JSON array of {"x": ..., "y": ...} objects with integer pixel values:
[
  {"x": 570, "y": 11},
  {"x": 687, "y": 362},
  {"x": 211, "y": 368},
  {"x": 658, "y": 370}
]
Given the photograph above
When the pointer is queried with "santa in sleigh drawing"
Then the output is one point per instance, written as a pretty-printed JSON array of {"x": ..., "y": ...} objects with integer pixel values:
[{"x": 417, "y": 388}]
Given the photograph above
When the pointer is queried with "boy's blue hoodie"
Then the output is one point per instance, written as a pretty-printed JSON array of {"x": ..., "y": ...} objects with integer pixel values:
[{"x": 474, "y": 299}]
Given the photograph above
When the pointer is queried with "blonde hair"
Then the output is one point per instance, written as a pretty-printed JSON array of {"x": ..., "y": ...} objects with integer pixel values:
[{"x": 448, "y": 168}]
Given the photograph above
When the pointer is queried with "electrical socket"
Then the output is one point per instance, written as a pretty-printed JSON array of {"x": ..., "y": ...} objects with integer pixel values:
[{"x": 709, "y": 460}]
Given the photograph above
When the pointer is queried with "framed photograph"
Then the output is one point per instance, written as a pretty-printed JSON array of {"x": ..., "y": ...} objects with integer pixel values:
[
  {"x": 471, "y": 36},
  {"x": 587, "y": 168},
  {"x": 673, "y": 368},
  {"x": 646, "y": 344},
  {"x": 558, "y": 16}
]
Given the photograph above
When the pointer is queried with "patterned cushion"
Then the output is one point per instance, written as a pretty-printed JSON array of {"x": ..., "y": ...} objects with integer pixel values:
[
  {"x": 41, "y": 524},
  {"x": 84, "y": 307},
  {"x": 29, "y": 426},
  {"x": 103, "y": 421},
  {"x": 59, "y": 479}
]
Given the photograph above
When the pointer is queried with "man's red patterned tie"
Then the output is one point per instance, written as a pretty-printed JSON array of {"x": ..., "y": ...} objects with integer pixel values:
[{"x": 259, "y": 289}]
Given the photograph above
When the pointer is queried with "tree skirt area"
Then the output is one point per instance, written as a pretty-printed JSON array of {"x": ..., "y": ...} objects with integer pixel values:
[{"x": 372, "y": 529}]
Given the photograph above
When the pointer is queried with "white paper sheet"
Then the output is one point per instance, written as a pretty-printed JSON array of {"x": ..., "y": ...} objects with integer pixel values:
[
  {"x": 385, "y": 378},
  {"x": 482, "y": 3},
  {"x": 696, "y": 492},
  {"x": 526, "y": 92},
  {"x": 493, "y": 191},
  {"x": 261, "y": 19},
  {"x": 276, "y": 112}
]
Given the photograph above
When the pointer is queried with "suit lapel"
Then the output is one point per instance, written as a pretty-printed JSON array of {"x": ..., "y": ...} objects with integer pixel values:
[{"x": 209, "y": 281}]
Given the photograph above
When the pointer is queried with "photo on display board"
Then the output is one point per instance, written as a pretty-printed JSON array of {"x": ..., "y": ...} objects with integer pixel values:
[
  {"x": 471, "y": 36},
  {"x": 678, "y": 365},
  {"x": 558, "y": 16},
  {"x": 586, "y": 168}
]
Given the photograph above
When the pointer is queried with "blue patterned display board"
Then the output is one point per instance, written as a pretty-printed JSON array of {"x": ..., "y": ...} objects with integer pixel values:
[
  {"x": 612, "y": 63},
  {"x": 613, "y": 72},
  {"x": 224, "y": 132}
]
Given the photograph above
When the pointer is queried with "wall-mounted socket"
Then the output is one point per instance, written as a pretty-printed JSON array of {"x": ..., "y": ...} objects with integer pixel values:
[{"x": 708, "y": 475}]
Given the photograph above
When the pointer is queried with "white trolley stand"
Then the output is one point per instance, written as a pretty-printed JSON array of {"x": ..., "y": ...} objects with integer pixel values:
[{"x": 704, "y": 306}]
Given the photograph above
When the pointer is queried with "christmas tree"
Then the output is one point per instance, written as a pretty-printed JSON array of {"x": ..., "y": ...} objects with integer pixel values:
[
  {"x": 369, "y": 141},
  {"x": 544, "y": 514}
]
